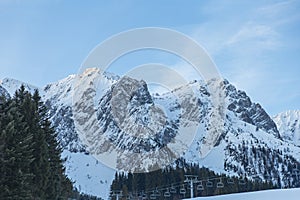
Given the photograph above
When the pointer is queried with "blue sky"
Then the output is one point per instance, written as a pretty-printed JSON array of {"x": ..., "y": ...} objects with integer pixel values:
[{"x": 255, "y": 44}]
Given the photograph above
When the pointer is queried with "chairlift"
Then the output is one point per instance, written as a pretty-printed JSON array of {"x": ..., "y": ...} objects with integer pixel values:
[
  {"x": 182, "y": 190},
  {"x": 167, "y": 193},
  {"x": 153, "y": 195},
  {"x": 144, "y": 196},
  {"x": 209, "y": 184},
  {"x": 157, "y": 193},
  {"x": 173, "y": 190},
  {"x": 200, "y": 186},
  {"x": 220, "y": 184},
  {"x": 140, "y": 195}
]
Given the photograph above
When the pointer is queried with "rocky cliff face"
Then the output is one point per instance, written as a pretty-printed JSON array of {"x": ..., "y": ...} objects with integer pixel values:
[
  {"x": 248, "y": 111},
  {"x": 237, "y": 137}
]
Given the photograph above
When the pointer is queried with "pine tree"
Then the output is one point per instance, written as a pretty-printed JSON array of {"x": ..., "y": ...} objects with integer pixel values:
[
  {"x": 16, "y": 153},
  {"x": 55, "y": 184},
  {"x": 30, "y": 157}
]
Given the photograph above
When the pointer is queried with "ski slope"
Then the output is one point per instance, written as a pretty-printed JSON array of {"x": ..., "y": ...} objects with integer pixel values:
[{"x": 288, "y": 194}]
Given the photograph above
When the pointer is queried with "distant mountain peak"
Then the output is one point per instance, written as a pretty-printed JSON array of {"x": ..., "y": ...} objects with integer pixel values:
[
  {"x": 11, "y": 85},
  {"x": 288, "y": 124}
]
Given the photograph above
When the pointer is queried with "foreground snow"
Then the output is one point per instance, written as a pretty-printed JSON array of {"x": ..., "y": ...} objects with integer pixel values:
[
  {"x": 90, "y": 176},
  {"x": 290, "y": 194}
]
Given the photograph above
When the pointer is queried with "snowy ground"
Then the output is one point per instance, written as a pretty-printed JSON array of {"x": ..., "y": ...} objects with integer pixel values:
[
  {"x": 90, "y": 176},
  {"x": 288, "y": 194}
]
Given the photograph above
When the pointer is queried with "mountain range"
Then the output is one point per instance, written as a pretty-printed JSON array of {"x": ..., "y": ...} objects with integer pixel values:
[{"x": 249, "y": 142}]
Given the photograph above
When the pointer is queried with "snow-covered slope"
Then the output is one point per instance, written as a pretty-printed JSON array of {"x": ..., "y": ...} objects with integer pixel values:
[
  {"x": 89, "y": 175},
  {"x": 288, "y": 124},
  {"x": 11, "y": 85},
  {"x": 290, "y": 194},
  {"x": 244, "y": 141}
]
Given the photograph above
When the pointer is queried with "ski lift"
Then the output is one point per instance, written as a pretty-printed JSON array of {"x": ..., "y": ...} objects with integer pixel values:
[
  {"x": 153, "y": 195},
  {"x": 173, "y": 190},
  {"x": 230, "y": 181},
  {"x": 182, "y": 190},
  {"x": 220, "y": 184},
  {"x": 209, "y": 184},
  {"x": 200, "y": 186},
  {"x": 157, "y": 193},
  {"x": 142, "y": 195},
  {"x": 167, "y": 193}
]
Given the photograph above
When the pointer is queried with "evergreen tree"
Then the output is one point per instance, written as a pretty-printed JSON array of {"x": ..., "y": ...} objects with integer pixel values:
[
  {"x": 16, "y": 155},
  {"x": 30, "y": 156}
]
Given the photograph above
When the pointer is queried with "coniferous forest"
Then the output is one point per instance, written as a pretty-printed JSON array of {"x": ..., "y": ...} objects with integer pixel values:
[
  {"x": 30, "y": 157},
  {"x": 174, "y": 183}
]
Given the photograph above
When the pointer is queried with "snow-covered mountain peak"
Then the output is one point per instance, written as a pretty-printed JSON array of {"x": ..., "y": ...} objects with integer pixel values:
[
  {"x": 247, "y": 138},
  {"x": 288, "y": 124},
  {"x": 290, "y": 115},
  {"x": 90, "y": 71},
  {"x": 11, "y": 85},
  {"x": 248, "y": 111}
]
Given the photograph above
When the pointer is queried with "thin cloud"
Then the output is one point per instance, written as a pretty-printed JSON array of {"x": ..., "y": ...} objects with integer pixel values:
[
  {"x": 273, "y": 10},
  {"x": 258, "y": 35},
  {"x": 247, "y": 49}
]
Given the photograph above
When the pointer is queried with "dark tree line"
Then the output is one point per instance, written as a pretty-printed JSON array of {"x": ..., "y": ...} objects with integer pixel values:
[
  {"x": 143, "y": 185},
  {"x": 30, "y": 158}
]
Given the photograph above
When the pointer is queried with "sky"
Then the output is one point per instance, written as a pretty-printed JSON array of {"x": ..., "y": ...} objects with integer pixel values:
[{"x": 254, "y": 44}]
